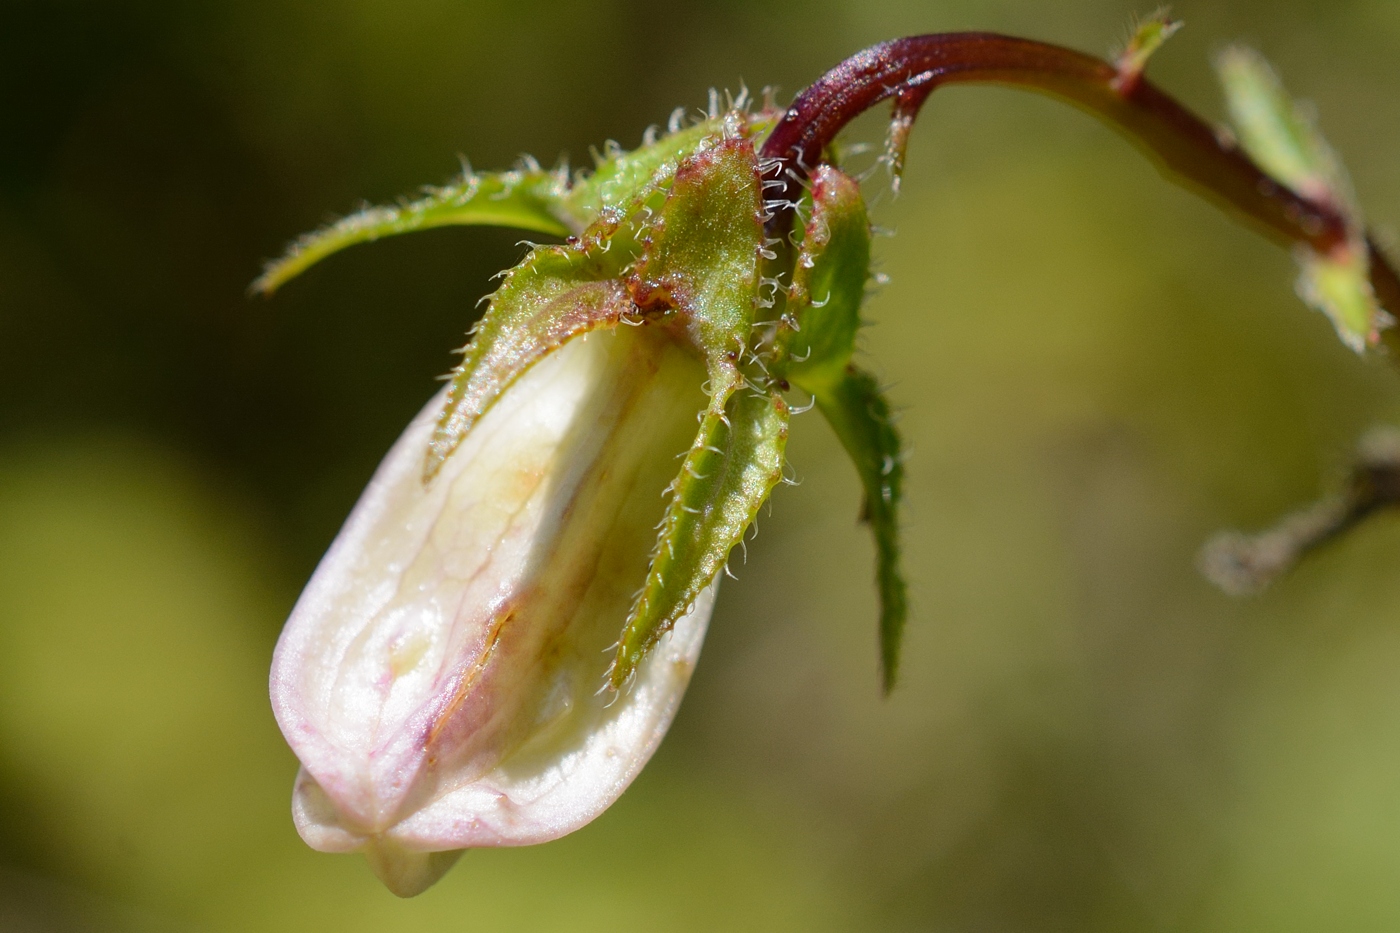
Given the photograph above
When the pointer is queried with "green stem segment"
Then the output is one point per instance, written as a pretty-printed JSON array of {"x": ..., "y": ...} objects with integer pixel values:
[{"x": 1185, "y": 147}]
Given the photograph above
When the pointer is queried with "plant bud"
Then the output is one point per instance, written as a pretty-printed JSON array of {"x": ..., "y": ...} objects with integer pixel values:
[
  {"x": 498, "y": 639},
  {"x": 439, "y": 678}
]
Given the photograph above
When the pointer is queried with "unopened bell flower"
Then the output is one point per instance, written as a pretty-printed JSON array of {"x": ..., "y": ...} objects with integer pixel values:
[
  {"x": 439, "y": 677},
  {"x": 501, "y": 634}
]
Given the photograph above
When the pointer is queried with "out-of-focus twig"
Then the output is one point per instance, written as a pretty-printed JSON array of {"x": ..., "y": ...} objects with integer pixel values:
[{"x": 1241, "y": 564}]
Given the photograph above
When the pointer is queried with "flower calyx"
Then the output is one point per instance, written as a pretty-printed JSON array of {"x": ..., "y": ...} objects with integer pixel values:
[{"x": 813, "y": 345}]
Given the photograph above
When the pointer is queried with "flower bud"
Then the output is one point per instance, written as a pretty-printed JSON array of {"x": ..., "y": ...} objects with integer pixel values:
[
  {"x": 439, "y": 678},
  {"x": 499, "y": 637}
]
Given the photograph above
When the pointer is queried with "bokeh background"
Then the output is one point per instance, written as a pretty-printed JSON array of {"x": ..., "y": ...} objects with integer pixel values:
[{"x": 1097, "y": 370}]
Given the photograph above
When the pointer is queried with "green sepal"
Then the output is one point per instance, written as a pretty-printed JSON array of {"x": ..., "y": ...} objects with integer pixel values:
[
  {"x": 700, "y": 257},
  {"x": 556, "y": 293},
  {"x": 525, "y": 198},
  {"x": 529, "y": 199},
  {"x": 551, "y": 297},
  {"x": 620, "y": 175},
  {"x": 817, "y": 334},
  {"x": 561, "y": 291},
  {"x": 699, "y": 272},
  {"x": 727, "y": 475},
  {"x": 812, "y": 349},
  {"x": 860, "y": 416}
]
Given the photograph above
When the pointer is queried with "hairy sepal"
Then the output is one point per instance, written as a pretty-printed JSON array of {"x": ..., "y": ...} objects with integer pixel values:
[
  {"x": 555, "y": 294},
  {"x": 700, "y": 258},
  {"x": 699, "y": 270},
  {"x": 620, "y": 175},
  {"x": 817, "y": 334},
  {"x": 691, "y": 235},
  {"x": 527, "y": 199},
  {"x": 735, "y": 463},
  {"x": 812, "y": 348},
  {"x": 545, "y": 301},
  {"x": 860, "y": 415}
]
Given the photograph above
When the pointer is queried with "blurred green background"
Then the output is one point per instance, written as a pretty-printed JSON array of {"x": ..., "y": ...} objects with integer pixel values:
[{"x": 1098, "y": 371}]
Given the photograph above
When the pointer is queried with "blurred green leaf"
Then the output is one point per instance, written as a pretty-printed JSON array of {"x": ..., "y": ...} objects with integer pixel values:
[
  {"x": 1279, "y": 134},
  {"x": 1284, "y": 139},
  {"x": 1339, "y": 285}
]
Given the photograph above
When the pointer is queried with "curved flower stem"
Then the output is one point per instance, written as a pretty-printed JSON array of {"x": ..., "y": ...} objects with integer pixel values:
[{"x": 1184, "y": 146}]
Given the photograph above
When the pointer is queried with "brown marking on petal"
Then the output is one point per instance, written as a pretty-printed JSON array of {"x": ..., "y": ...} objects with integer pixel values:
[
  {"x": 470, "y": 676},
  {"x": 485, "y": 712}
]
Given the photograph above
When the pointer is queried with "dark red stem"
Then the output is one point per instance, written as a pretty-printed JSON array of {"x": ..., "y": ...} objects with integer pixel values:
[{"x": 1184, "y": 146}]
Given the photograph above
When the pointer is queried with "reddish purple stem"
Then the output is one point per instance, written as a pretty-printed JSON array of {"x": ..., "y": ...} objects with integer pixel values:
[{"x": 1185, "y": 147}]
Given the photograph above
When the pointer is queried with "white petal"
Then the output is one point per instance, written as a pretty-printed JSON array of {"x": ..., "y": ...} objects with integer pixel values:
[
  {"x": 438, "y": 677},
  {"x": 567, "y": 779}
]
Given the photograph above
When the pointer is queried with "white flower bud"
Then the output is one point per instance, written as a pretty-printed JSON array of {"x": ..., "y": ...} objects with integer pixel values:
[{"x": 440, "y": 676}]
